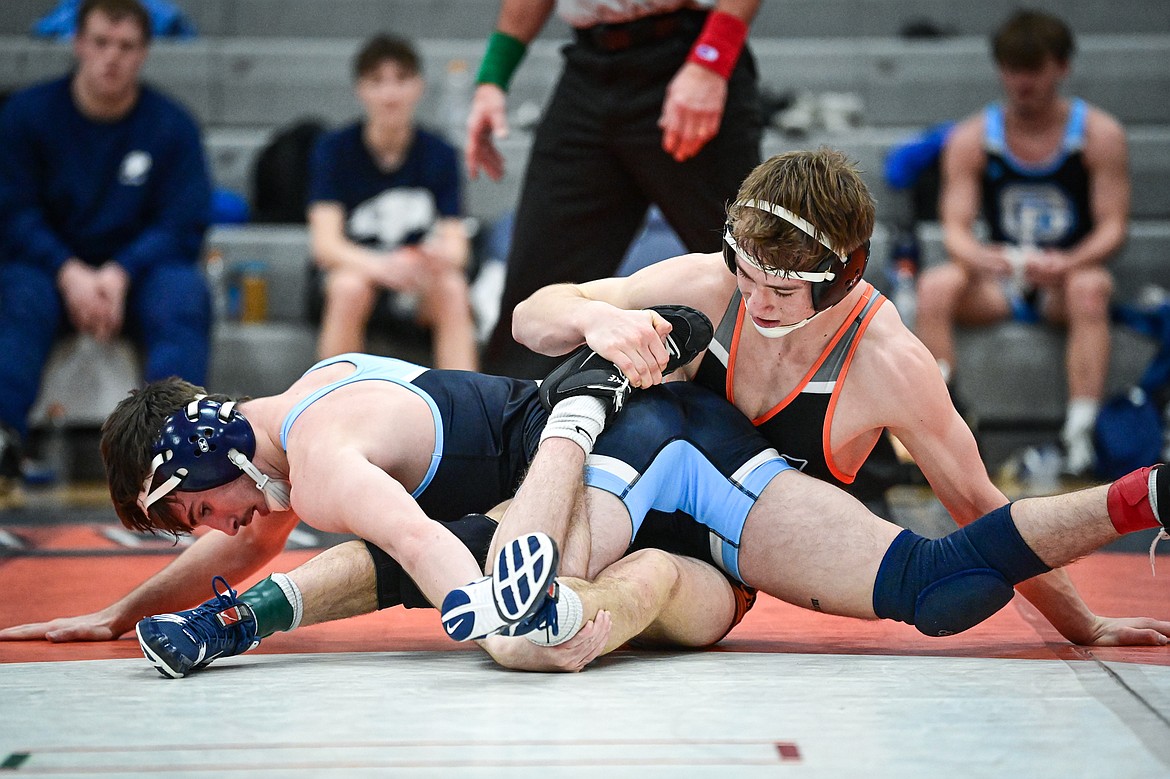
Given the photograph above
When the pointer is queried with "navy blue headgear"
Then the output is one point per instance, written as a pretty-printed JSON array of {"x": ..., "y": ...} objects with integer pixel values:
[{"x": 198, "y": 448}]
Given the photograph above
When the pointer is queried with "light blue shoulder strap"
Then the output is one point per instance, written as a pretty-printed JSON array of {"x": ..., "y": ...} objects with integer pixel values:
[
  {"x": 1074, "y": 133},
  {"x": 369, "y": 367},
  {"x": 993, "y": 132}
]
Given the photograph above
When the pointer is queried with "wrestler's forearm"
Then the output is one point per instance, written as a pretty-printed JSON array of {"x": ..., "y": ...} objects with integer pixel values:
[
  {"x": 1054, "y": 596},
  {"x": 187, "y": 580},
  {"x": 552, "y": 321},
  {"x": 523, "y": 19}
]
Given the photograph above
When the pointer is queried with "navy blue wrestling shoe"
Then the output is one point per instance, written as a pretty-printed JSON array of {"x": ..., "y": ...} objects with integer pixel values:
[
  {"x": 522, "y": 580},
  {"x": 177, "y": 644},
  {"x": 584, "y": 372}
]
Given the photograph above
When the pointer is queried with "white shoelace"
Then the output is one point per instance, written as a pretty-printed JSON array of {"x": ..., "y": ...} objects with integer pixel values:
[{"x": 1162, "y": 536}]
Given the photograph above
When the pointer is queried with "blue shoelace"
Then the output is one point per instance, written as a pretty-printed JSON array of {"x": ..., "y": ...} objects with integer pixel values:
[{"x": 545, "y": 618}]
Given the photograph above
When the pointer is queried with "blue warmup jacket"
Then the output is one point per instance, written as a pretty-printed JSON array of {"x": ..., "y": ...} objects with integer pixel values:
[{"x": 135, "y": 190}]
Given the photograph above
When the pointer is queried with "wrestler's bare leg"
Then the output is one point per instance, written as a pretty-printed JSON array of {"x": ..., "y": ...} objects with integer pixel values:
[
  {"x": 548, "y": 501},
  {"x": 659, "y": 598},
  {"x": 1062, "y": 528},
  {"x": 813, "y": 545},
  {"x": 340, "y": 582}
]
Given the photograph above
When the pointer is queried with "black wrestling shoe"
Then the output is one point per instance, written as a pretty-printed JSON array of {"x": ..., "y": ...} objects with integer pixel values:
[
  {"x": 585, "y": 372},
  {"x": 691, "y": 332}
]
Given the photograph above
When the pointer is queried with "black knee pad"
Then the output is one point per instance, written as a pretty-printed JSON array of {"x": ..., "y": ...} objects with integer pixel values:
[{"x": 396, "y": 588}]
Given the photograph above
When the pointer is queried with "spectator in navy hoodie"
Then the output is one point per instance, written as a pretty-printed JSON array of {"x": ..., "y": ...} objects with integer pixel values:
[{"x": 104, "y": 201}]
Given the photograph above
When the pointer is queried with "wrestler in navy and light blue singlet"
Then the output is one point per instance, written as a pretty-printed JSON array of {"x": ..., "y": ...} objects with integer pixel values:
[
  {"x": 674, "y": 448},
  {"x": 487, "y": 429},
  {"x": 1046, "y": 204}
]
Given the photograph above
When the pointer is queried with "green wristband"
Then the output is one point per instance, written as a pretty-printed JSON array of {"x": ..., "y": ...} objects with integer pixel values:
[{"x": 501, "y": 59}]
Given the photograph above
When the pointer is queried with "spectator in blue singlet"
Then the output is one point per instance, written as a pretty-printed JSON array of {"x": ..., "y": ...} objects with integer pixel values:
[
  {"x": 384, "y": 216},
  {"x": 1049, "y": 176},
  {"x": 104, "y": 200}
]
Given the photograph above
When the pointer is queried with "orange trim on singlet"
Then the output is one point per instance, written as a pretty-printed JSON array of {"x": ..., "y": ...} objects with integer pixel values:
[
  {"x": 826, "y": 443},
  {"x": 729, "y": 388},
  {"x": 811, "y": 372}
]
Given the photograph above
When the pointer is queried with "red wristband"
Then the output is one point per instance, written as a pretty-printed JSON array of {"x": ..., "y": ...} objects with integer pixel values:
[{"x": 719, "y": 43}]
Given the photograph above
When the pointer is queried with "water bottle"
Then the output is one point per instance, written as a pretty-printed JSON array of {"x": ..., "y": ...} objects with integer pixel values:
[
  {"x": 253, "y": 285},
  {"x": 56, "y": 455},
  {"x": 456, "y": 100},
  {"x": 1014, "y": 285},
  {"x": 217, "y": 279},
  {"x": 904, "y": 276}
]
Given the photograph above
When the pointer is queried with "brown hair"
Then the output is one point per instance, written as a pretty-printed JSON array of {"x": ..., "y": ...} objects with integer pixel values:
[
  {"x": 117, "y": 10},
  {"x": 1028, "y": 38},
  {"x": 821, "y": 186},
  {"x": 381, "y": 48},
  {"x": 128, "y": 436}
]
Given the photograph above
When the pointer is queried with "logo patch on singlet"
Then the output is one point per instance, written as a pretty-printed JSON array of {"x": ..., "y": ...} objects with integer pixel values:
[
  {"x": 1035, "y": 214},
  {"x": 799, "y": 463}
]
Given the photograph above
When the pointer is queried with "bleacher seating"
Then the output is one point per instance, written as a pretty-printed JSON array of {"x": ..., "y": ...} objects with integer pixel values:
[
  {"x": 471, "y": 18},
  {"x": 232, "y": 152},
  {"x": 271, "y": 81},
  {"x": 261, "y": 64}
]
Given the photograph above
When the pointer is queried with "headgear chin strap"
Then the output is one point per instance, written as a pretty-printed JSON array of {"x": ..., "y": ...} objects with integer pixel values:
[
  {"x": 277, "y": 492},
  {"x": 203, "y": 446},
  {"x": 831, "y": 280},
  {"x": 782, "y": 330}
]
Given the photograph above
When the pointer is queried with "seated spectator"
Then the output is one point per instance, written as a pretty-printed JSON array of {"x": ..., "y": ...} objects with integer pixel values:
[
  {"x": 384, "y": 216},
  {"x": 1049, "y": 175},
  {"x": 104, "y": 198}
]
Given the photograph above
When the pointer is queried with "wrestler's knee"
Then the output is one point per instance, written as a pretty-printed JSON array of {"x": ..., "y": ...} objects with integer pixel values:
[
  {"x": 947, "y": 585},
  {"x": 939, "y": 288},
  {"x": 937, "y": 592},
  {"x": 349, "y": 291},
  {"x": 1087, "y": 294},
  {"x": 960, "y": 602}
]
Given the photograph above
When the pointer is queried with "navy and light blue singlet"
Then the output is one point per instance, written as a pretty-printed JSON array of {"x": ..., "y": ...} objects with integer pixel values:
[
  {"x": 1045, "y": 204},
  {"x": 487, "y": 429},
  {"x": 676, "y": 447}
]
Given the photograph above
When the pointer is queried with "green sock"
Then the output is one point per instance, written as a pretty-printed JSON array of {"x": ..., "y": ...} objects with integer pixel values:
[{"x": 272, "y": 605}]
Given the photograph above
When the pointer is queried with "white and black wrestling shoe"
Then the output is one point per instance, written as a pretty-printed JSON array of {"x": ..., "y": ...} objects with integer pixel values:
[{"x": 523, "y": 579}]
